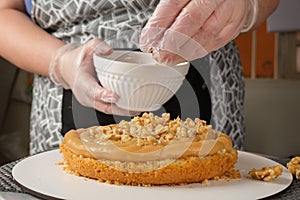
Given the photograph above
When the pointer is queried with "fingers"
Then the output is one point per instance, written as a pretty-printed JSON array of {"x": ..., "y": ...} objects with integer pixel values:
[
  {"x": 222, "y": 26},
  {"x": 167, "y": 58},
  {"x": 109, "y": 108},
  {"x": 189, "y": 21},
  {"x": 170, "y": 54},
  {"x": 97, "y": 46},
  {"x": 164, "y": 39},
  {"x": 173, "y": 23},
  {"x": 100, "y": 99},
  {"x": 103, "y": 49},
  {"x": 201, "y": 27},
  {"x": 86, "y": 88},
  {"x": 210, "y": 36},
  {"x": 181, "y": 42},
  {"x": 89, "y": 93},
  {"x": 161, "y": 19},
  {"x": 104, "y": 95},
  {"x": 104, "y": 101}
]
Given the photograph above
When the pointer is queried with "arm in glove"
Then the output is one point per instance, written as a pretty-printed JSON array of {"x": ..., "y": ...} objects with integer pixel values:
[
  {"x": 189, "y": 29},
  {"x": 72, "y": 67}
]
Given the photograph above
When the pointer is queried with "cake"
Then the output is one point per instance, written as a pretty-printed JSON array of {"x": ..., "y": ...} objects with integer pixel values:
[{"x": 149, "y": 150}]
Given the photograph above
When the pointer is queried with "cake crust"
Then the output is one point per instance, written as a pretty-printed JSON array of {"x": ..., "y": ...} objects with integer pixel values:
[{"x": 181, "y": 171}]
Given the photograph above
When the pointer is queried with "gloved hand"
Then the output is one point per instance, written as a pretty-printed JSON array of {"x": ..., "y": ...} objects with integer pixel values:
[
  {"x": 72, "y": 67},
  {"x": 181, "y": 30}
]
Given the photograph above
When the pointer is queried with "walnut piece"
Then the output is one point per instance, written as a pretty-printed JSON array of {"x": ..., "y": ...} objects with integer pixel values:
[
  {"x": 294, "y": 166},
  {"x": 149, "y": 129},
  {"x": 266, "y": 173}
]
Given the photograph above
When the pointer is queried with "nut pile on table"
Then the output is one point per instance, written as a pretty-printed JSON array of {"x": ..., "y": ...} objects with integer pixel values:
[
  {"x": 294, "y": 166},
  {"x": 266, "y": 173}
]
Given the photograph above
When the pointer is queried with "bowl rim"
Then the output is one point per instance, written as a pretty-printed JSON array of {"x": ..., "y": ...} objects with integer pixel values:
[{"x": 96, "y": 56}]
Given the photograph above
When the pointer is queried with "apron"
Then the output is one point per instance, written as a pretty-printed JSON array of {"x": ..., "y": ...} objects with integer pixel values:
[{"x": 213, "y": 89}]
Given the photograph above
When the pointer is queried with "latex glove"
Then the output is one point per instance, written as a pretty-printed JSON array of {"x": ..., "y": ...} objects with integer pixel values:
[
  {"x": 72, "y": 67},
  {"x": 181, "y": 30}
]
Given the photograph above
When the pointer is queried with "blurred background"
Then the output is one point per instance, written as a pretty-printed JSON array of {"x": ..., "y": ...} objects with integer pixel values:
[{"x": 271, "y": 62}]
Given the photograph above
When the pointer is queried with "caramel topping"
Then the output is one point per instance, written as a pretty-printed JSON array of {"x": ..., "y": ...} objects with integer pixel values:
[{"x": 148, "y": 138}]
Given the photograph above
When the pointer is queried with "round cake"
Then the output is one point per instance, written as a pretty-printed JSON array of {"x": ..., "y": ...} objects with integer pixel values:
[{"x": 149, "y": 150}]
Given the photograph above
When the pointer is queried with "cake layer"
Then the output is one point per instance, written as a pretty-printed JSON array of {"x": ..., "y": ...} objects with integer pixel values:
[{"x": 183, "y": 170}]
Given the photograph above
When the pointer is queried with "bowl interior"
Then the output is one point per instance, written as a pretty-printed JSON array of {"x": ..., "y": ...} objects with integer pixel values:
[
  {"x": 136, "y": 63},
  {"x": 132, "y": 57}
]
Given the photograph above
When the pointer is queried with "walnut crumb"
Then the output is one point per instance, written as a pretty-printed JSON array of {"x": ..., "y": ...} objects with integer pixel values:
[
  {"x": 205, "y": 182},
  {"x": 266, "y": 173},
  {"x": 149, "y": 129},
  {"x": 60, "y": 163}
]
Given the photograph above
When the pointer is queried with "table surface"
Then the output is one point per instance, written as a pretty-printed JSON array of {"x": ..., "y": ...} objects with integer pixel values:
[{"x": 7, "y": 183}]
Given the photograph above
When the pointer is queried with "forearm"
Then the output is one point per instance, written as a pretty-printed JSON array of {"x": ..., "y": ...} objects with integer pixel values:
[
  {"x": 266, "y": 7},
  {"x": 25, "y": 44}
]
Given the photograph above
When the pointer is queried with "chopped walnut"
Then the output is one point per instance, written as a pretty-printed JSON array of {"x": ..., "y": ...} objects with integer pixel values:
[
  {"x": 266, "y": 173},
  {"x": 151, "y": 130},
  {"x": 294, "y": 166}
]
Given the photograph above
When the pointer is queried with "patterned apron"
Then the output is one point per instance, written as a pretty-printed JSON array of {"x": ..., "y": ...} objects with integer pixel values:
[{"x": 214, "y": 89}]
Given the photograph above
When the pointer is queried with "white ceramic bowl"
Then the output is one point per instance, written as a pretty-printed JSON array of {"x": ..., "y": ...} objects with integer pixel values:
[{"x": 141, "y": 83}]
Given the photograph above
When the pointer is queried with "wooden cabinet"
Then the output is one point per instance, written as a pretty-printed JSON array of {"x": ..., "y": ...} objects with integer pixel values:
[{"x": 258, "y": 52}]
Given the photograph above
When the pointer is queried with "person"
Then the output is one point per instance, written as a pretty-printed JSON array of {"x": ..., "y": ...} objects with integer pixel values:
[{"x": 56, "y": 40}]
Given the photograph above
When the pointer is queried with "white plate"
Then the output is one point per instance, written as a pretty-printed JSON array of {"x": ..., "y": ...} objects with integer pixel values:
[{"x": 41, "y": 175}]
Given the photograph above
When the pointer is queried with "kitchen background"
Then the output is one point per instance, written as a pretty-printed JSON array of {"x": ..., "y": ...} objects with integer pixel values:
[{"x": 271, "y": 62}]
